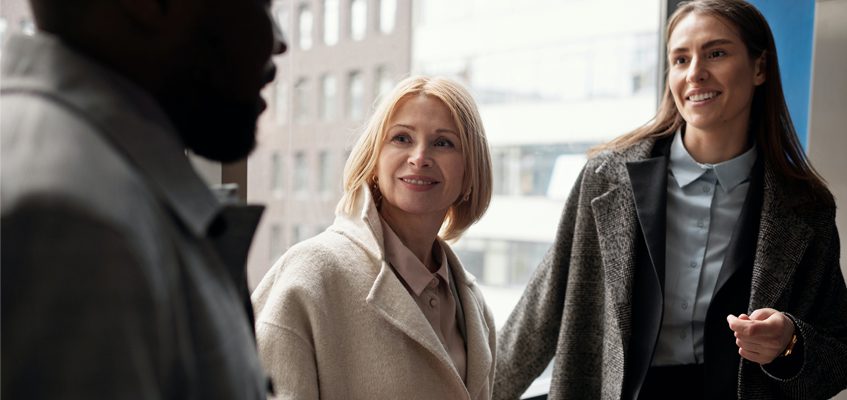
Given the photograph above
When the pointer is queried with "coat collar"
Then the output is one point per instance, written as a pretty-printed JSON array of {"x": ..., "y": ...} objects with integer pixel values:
[
  {"x": 125, "y": 116},
  {"x": 392, "y": 302},
  {"x": 615, "y": 216}
]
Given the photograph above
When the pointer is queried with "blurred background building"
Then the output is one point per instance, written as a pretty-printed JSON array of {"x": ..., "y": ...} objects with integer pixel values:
[{"x": 545, "y": 74}]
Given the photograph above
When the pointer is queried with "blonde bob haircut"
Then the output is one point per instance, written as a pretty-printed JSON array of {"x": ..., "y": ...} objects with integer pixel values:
[{"x": 476, "y": 185}]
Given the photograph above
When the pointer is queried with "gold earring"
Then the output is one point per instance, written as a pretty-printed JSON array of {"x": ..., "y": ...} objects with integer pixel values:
[{"x": 377, "y": 194}]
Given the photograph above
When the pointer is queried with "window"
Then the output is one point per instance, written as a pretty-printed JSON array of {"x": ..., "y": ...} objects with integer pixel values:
[
  {"x": 329, "y": 99},
  {"x": 330, "y": 22},
  {"x": 304, "y": 23},
  {"x": 2, "y": 29},
  {"x": 387, "y": 15},
  {"x": 27, "y": 27},
  {"x": 355, "y": 95},
  {"x": 274, "y": 243},
  {"x": 324, "y": 173},
  {"x": 277, "y": 174},
  {"x": 302, "y": 111},
  {"x": 281, "y": 101},
  {"x": 301, "y": 173},
  {"x": 282, "y": 19},
  {"x": 358, "y": 19},
  {"x": 383, "y": 81},
  {"x": 297, "y": 234}
]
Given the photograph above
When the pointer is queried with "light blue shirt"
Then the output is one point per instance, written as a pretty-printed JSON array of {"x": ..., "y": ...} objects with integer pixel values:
[{"x": 703, "y": 206}]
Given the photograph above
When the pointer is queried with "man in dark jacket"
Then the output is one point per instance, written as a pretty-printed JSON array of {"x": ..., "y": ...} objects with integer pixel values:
[{"x": 122, "y": 275}]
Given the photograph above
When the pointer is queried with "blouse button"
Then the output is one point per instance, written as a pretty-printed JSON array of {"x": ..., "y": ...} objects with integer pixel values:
[{"x": 433, "y": 302}]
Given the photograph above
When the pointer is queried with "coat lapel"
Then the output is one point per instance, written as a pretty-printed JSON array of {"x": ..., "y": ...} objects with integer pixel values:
[
  {"x": 393, "y": 303},
  {"x": 479, "y": 357},
  {"x": 783, "y": 239},
  {"x": 649, "y": 187},
  {"x": 615, "y": 219},
  {"x": 739, "y": 252}
]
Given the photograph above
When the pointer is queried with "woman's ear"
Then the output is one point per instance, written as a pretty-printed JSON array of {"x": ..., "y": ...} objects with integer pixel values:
[{"x": 760, "y": 66}]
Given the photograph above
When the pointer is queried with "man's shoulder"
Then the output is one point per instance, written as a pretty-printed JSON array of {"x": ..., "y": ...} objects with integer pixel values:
[{"x": 50, "y": 152}]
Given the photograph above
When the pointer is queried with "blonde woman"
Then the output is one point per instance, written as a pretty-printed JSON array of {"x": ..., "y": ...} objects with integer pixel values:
[{"x": 378, "y": 306}]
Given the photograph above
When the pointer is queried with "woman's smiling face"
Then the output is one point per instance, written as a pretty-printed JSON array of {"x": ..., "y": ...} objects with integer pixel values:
[
  {"x": 711, "y": 75},
  {"x": 420, "y": 168}
]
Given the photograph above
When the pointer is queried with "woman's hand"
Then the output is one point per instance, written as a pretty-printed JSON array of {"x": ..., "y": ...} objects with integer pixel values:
[{"x": 763, "y": 335}]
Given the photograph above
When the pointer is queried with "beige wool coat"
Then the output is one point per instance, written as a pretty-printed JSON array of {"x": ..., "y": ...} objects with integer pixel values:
[{"x": 335, "y": 322}]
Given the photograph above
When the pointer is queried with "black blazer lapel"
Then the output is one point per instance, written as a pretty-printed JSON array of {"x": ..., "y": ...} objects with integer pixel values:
[
  {"x": 649, "y": 185},
  {"x": 649, "y": 180},
  {"x": 741, "y": 248}
]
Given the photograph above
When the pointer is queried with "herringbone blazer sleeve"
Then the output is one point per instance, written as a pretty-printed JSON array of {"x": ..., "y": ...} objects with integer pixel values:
[
  {"x": 527, "y": 342},
  {"x": 817, "y": 303}
]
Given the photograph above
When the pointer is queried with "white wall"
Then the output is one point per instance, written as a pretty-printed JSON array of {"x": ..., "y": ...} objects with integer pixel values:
[{"x": 827, "y": 132}]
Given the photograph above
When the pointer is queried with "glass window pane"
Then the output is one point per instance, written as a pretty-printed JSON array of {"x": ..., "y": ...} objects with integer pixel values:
[
  {"x": 358, "y": 19},
  {"x": 281, "y": 102},
  {"x": 330, "y": 22},
  {"x": 384, "y": 82},
  {"x": 301, "y": 173},
  {"x": 283, "y": 19},
  {"x": 329, "y": 100},
  {"x": 387, "y": 15},
  {"x": 324, "y": 172},
  {"x": 274, "y": 242},
  {"x": 355, "y": 95},
  {"x": 305, "y": 23},
  {"x": 302, "y": 111}
]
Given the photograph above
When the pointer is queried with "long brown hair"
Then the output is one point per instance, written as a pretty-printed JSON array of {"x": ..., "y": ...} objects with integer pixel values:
[{"x": 770, "y": 122}]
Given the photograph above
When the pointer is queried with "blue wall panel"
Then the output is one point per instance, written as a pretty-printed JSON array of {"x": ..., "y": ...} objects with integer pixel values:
[{"x": 792, "y": 23}]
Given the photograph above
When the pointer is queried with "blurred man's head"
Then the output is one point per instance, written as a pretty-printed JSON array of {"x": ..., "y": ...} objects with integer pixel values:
[{"x": 205, "y": 61}]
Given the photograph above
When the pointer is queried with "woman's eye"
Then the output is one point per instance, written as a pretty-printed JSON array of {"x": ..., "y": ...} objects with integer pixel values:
[
  {"x": 401, "y": 138},
  {"x": 678, "y": 60},
  {"x": 444, "y": 143},
  {"x": 716, "y": 53}
]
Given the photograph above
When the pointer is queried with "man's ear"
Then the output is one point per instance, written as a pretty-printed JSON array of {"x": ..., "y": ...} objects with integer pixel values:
[{"x": 759, "y": 75}]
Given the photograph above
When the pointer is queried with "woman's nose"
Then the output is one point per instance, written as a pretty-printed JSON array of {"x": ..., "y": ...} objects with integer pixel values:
[
  {"x": 696, "y": 71},
  {"x": 419, "y": 157}
]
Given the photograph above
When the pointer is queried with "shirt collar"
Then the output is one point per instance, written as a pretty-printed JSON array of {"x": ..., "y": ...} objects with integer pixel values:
[
  {"x": 407, "y": 265},
  {"x": 729, "y": 174}
]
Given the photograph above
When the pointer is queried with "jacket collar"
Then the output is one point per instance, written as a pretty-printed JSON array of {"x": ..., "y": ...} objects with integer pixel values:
[
  {"x": 392, "y": 302},
  {"x": 124, "y": 115}
]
